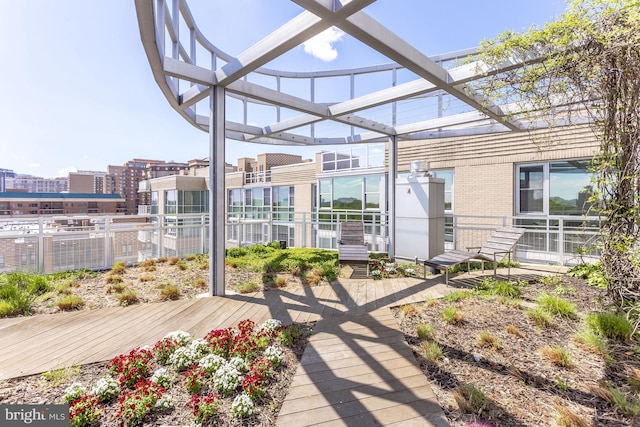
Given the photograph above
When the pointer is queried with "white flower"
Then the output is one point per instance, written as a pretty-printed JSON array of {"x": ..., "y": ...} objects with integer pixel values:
[
  {"x": 409, "y": 271},
  {"x": 243, "y": 406},
  {"x": 227, "y": 379},
  {"x": 183, "y": 358},
  {"x": 271, "y": 325},
  {"x": 162, "y": 377},
  {"x": 239, "y": 363},
  {"x": 200, "y": 346},
  {"x": 211, "y": 362},
  {"x": 164, "y": 403},
  {"x": 73, "y": 392},
  {"x": 106, "y": 389},
  {"x": 274, "y": 354},
  {"x": 181, "y": 336}
]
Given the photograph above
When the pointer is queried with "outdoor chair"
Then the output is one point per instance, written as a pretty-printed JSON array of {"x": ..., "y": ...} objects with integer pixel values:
[
  {"x": 499, "y": 245},
  {"x": 351, "y": 246}
]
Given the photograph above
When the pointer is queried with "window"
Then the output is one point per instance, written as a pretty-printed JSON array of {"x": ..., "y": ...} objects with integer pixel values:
[
  {"x": 554, "y": 188},
  {"x": 531, "y": 189},
  {"x": 170, "y": 202},
  {"x": 354, "y": 193},
  {"x": 447, "y": 175},
  {"x": 154, "y": 203}
]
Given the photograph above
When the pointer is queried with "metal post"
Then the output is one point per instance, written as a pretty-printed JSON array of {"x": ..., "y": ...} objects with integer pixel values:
[
  {"x": 216, "y": 190},
  {"x": 41, "y": 245},
  {"x": 393, "y": 166},
  {"x": 108, "y": 243}
]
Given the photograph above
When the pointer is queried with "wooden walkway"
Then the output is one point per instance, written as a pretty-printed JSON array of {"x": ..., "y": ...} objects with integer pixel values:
[{"x": 357, "y": 369}]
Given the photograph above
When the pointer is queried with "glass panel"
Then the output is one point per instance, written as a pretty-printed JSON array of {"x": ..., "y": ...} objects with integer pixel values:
[
  {"x": 170, "y": 201},
  {"x": 347, "y": 193},
  {"x": 531, "y": 188},
  {"x": 569, "y": 187},
  {"x": 325, "y": 193},
  {"x": 447, "y": 175}
]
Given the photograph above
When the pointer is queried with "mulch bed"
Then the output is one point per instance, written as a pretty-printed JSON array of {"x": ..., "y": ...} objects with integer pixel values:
[{"x": 522, "y": 388}]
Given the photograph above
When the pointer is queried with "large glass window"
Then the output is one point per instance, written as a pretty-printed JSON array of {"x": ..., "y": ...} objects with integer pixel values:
[
  {"x": 531, "y": 179},
  {"x": 283, "y": 203},
  {"x": 447, "y": 175},
  {"x": 353, "y": 193},
  {"x": 154, "y": 203},
  {"x": 170, "y": 202},
  {"x": 372, "y": 192},
  {"x": 325, "y": 194},
  {"x": 569, "y": 187},
  {"x": 193, "y": 202},
  {"x": 347, "y": 193},
  {"x": 554, "y": 188}
]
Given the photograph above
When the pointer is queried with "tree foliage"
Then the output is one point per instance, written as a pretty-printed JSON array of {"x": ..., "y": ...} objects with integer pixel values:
[{"x": 586, "y": 65}]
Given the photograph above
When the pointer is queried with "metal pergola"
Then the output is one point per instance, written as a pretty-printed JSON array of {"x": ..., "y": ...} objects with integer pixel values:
[{"x": 422, "y": 98}]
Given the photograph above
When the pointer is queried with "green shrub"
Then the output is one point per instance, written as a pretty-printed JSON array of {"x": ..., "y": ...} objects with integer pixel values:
[
  {"x": 236, "y": 252},
  {"x": 593, "y": 273},
  {"x": 169, "y": 292},
  {"x": 248, "y": 286},
  {"x": 7, "y": 309},
  {"x": 127, "y": 297},
  {"x": 119, "y": 267},
  {"x": 425, "y": 331},
  {"x": 432, "y": 351},
  {"x": 503, "y": 288},
  {"x": 540, "y": 317},
  {"x": 451, "y": 315},
  {"x": 181, "y": 265},
  {"x": 486, "y": 339},
  {"x": 557, "y": 306},
  {"x": 39, "y": 285},
  {"x": 69, "y": 302},
  {"x": 190, "y": 257},
  {"x": 611, "y": 325},
  {"x": 288, "y": 335},
  {"x": 16, "y": 300},
  {"x": 458, "y": 296},
  {"x": 592, "y": 341},
  {"x": 557, "y": 355},
  {"x": 554, "y": 280},
  {"x": 470, "y": 399}
]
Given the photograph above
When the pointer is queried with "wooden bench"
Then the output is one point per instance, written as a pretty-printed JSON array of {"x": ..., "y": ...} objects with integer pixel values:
[
  {"x": 499, "y": 245},
  {"x": 351, "y": 246}
]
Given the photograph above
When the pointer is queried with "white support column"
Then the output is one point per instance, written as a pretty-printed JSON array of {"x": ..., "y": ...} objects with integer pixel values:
[
  {"x": 216, "y": 191},
  {"x": 393, "y": 171}
]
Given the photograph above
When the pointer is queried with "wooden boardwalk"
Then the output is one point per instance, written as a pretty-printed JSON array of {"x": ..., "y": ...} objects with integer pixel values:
[{"x": 357, "y": 370}]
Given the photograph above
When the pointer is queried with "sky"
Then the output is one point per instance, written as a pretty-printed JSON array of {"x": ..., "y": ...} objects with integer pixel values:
[{"x": 78, "y": 93}]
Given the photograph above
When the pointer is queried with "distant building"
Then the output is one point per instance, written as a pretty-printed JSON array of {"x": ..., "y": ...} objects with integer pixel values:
[
  {"x": 258, "y": 170},
  {"x": 5, "y": 173},
  {"x": 82, "y": 182},
  {"x": 124, "y": 180},
  {"x": 36, "y": 204},
  {"x": 37, "y": 184}
]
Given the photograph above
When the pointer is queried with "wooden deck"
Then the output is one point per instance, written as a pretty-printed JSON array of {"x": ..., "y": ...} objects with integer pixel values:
[{"x": 357, "y": 370}]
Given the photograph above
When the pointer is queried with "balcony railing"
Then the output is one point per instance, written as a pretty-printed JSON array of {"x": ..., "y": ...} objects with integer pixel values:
[{"x": 53, "y": 244}]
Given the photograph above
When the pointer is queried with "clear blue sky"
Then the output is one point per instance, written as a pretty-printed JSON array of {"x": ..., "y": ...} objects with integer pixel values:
[{"x": 77, "y": 90}]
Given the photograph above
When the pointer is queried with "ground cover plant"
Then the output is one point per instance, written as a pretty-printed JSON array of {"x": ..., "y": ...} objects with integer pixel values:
[
  {"x": 232, "y": 376},
  {"x": 250, "y": 269},
  {"x": 544, "y": 352}
]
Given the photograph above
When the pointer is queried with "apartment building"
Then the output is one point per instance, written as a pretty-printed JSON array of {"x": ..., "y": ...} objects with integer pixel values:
[
  {"x": 4, "y": 174},
  {"x": 22, "y": 204},
  {"x": 36, "y": 184},
  {"x": 124, "y": 180}
]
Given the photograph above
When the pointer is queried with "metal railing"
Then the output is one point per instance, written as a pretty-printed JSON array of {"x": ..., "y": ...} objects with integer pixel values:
[{"x": 53, "y": 244}]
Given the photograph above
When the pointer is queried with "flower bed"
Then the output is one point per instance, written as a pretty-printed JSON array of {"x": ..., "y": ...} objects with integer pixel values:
[{"x": 226, "y": 378}]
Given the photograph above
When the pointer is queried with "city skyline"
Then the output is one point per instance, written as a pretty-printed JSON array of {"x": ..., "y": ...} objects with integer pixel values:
[{"x": 82, "y": 96}]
